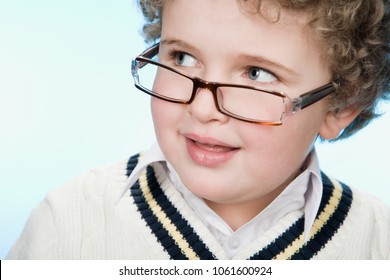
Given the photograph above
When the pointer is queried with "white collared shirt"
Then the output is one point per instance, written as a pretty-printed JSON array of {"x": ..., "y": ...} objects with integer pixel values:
[{"x": 304, "y": 193}]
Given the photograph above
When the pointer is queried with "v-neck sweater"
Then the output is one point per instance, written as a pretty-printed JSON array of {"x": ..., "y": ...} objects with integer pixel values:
[{"x": 85, "y": 220}]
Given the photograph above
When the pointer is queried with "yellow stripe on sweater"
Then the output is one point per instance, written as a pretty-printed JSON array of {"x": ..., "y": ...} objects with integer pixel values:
[
  {"x": 321, "y": 220},
  {"x": 164, "y": 220}
]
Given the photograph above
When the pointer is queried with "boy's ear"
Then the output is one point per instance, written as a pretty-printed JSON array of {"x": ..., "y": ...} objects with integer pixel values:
[{"x": 335, "y": 122}]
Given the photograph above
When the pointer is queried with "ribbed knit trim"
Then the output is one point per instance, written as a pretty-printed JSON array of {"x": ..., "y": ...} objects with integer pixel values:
[
  {"x": 168, "y": 225},
  {"x": 335, "y": 204},
  {"x": 180, "y": 240}
]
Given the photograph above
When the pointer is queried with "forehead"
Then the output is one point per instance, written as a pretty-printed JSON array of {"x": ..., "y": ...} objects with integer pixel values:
[
  {"x": 230, "y": 24},
  {"x": 244, "y": 19},
  {"x": 270, "y": 10}
]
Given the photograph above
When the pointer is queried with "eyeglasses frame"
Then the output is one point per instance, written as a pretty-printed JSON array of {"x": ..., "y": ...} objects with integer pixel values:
[{"x": 292, "y": 106}]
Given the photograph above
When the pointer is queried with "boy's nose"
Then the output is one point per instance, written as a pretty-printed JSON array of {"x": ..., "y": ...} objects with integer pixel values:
[{"x": 204, "y": 108}]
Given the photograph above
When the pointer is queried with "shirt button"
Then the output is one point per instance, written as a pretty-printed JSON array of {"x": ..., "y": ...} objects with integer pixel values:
[{"x": 234, "y": 243}]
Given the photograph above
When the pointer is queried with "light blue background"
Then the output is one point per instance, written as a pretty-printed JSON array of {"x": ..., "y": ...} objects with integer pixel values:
[{"x": 67, "y": 104}]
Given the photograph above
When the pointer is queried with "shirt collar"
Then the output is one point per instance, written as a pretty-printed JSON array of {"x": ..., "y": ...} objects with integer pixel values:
[
  {"x": 310, "y": 179},
  {"x": 153, "y": 154},
  {"x": 303, "y": 193}
]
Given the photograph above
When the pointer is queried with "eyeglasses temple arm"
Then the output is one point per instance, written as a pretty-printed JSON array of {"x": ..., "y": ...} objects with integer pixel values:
[
  {"x": 151, "y": 52},
  {"x": 312, "y": 97}
]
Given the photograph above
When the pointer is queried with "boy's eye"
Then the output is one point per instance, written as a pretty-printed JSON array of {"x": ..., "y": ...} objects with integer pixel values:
[
  {"x": 184, "y": 59},
  {"x": 260, "y": 75}
]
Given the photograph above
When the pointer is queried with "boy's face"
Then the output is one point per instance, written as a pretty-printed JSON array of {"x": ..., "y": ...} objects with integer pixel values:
[{"x": 223, "y": 160}]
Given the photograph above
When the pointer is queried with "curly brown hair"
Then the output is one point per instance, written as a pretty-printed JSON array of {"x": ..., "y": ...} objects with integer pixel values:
[{"x": 355, "y": 35}]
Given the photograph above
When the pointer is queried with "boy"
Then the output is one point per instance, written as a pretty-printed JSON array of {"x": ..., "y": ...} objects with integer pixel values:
[{"x": 241, "y": 90}]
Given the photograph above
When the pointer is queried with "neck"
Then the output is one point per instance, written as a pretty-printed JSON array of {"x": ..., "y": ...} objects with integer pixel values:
[{"x": 238, "y": 214}]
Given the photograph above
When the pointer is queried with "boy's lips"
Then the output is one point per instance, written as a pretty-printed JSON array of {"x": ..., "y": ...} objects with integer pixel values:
[
  {"x": 207, "y": 151},
  {"x": 212, "y": 147}
]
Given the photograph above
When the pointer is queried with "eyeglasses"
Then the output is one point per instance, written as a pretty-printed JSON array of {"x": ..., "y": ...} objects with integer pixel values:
[{"x": 241, "y": 102}]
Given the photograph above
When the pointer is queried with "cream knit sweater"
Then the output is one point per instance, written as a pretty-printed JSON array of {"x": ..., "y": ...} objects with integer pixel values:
[{"x": 85, "y": 220}]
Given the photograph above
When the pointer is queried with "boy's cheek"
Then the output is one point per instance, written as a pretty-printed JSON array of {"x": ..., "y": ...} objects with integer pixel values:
[
  {"x": 166, "y": 117},
  {"x": 157, "y": 108}
]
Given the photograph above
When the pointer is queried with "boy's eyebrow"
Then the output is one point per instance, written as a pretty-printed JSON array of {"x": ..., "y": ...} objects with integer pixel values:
[
  {"x": 267, "y": 62},
  {"x": 244, "y": 57},
  {"x": 180, "y": 43}
]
